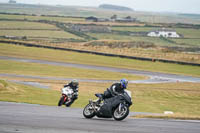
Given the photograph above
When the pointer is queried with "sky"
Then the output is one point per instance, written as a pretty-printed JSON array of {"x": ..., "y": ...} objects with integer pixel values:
[{"x": 180, "y": 6}]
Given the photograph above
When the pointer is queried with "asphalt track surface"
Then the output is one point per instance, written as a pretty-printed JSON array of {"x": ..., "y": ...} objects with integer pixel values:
[
  {"x": 155, "y": 77},
  {"x": 28, "y": 118}
]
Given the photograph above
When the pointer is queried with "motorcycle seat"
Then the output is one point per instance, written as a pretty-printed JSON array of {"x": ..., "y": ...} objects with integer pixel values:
[{"x": 98, "y": 95}]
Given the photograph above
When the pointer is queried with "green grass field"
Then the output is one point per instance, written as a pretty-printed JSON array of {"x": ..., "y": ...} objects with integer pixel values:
[
  {"x": 155, "y": 40},
  {"x": 38, "y": 34},
  {"x": 188, "y": 42},
  {"x": 21, "y": 68},
  {"x": 25, "y": 25},
  {"x": 39, "y": 30},
  {"x": 110, "y": 36},
  {"x": 82, "y": 58},
  {"x": 189, "y": 33},
  {"x": 59, "y": 19},
  {"x": 134, "y": 29}
]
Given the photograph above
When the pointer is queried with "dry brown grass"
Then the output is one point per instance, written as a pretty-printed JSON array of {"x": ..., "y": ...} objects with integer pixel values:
[
  {"x": 151, "y": 52},
  {"x": 1, "y": 86},
  {"x": 154, "y": 52},
  {"x": 8, "y": 88}
]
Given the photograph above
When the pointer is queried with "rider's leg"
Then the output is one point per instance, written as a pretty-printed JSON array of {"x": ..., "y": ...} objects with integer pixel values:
[
  {"x": 106, "y": 94},
  {"x": 72, "y": 100}
]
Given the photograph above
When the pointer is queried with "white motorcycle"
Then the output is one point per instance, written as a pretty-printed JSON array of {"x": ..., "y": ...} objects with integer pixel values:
[{"x": 67, "y": 94}]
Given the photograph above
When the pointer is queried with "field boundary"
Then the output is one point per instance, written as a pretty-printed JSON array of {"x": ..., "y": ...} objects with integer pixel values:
[{"x": 97, "y": 53}]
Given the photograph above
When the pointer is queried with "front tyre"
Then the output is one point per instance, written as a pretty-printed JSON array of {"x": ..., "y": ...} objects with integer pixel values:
[
  {"x": 120, "y": 114},
  {"x": 61, "y": 101},
  {"x": 88, "y": 111}
]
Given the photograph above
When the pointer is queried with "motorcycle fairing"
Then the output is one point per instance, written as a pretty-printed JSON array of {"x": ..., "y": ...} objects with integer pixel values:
[{"x": 109, "y": 104}]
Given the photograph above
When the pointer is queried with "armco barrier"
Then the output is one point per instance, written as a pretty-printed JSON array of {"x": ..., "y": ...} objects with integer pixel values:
[{"x": 99, "y": 53}]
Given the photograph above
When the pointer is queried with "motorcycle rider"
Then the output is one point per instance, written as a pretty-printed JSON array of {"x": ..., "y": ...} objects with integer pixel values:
[
  {"x": 74, "y": 86},
  {"x": 115, "y": 89}
]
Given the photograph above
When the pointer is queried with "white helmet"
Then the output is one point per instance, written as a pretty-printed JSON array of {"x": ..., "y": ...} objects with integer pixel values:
[{"x": 75, "y": 82}]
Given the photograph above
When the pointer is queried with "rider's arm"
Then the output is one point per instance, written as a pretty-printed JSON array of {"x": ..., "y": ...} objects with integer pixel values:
[
  {"x": 76, "y": 90},
  {"x": 69, "y": 84},
  {"x": 114, "y": 90},
  {"x": 66, "y": 85}
]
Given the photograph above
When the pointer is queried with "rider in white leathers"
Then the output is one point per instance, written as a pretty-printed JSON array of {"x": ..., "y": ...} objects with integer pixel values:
[{"x": 74, "y": 86}]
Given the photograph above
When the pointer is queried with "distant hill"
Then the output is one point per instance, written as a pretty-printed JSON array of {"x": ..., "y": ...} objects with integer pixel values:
[
  {"x": 190, "y": 15},
  {"x": 114, "y": 7}
]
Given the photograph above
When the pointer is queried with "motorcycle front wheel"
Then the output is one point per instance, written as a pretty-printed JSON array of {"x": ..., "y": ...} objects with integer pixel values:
[
  {"x": 61, "y": 101},
  {"x": 120, "y": 114},
  {"x": 88, "y": 111}
]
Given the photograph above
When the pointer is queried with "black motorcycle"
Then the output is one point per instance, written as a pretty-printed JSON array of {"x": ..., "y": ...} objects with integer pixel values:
[{"x": 116, "y": 107}]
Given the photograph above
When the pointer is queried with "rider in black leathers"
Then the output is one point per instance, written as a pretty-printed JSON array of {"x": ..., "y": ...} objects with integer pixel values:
[
  {"x": 74, "y": 86},
  {"x": 115, "y": 89},
  {"x": 109, "y": 98}
]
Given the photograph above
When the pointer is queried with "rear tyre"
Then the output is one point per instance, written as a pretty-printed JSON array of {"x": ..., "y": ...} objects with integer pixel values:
[
  {"x": 61, "y": 101},
  {"x": 120, "y": 114},
  {"x": 88, "y": 111}
]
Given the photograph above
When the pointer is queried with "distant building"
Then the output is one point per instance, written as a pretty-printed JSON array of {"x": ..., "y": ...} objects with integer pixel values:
[
  {"x": 164, "y": 33},
  {"x": 126, "y": 19},
  {"x": 91, "y": 19},
  {"x": 112, "y": 19},
  {"x": 94, "y": 19},
  {"x": 12, "y": 2},
  {"x": 103, "y": 20},
  {"x": 90, "y": 28}
]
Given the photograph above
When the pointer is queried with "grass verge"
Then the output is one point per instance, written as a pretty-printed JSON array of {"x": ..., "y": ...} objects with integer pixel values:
[
  {"x": 12, "y": 92},
  {"x": 174, "y": 116},
  {"x": 182, "y": 98}
]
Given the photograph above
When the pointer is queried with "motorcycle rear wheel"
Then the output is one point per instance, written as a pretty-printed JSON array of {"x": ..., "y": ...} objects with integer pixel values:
[
  {"x": 120, "y": 115},
  {"x": 87, "y": 112}
]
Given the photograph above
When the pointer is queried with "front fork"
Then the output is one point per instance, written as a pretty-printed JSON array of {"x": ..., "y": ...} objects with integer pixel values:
[
  {"x": 94, "y": 105},
  {"x": 121, "y": 106},
  {"x": 65, "y": 98}
]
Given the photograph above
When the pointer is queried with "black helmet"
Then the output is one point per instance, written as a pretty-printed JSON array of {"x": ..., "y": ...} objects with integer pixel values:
[
  {"x": 124, "y": 83},
  {"x": 75, "y": 82}
]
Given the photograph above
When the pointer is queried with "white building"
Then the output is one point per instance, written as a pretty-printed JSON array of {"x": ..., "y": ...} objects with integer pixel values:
[{"x": 164, "y": 33}]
